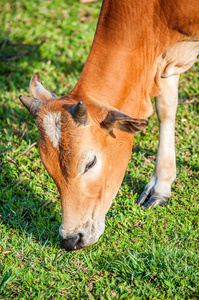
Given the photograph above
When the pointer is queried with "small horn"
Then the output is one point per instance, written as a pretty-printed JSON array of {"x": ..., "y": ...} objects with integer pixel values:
[
  {"x": 31, "y": 104},
  {"x": 79, "y": 113}
]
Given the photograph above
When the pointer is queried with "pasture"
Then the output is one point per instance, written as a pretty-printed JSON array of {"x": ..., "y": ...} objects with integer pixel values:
[{"x": 143, "y": 254}]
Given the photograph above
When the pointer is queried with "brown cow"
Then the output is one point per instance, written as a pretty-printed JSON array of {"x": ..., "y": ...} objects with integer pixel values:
[{"x": 86, "y": 137}]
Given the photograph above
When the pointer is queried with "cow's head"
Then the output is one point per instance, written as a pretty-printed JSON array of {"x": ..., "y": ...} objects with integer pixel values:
[{"x": 85, "y": 146}]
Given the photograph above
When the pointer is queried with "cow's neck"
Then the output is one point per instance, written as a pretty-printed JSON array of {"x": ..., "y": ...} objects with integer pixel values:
[{"x": 122, "y": 63}]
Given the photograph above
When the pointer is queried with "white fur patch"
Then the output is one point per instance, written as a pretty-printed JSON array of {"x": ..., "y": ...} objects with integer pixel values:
[{"x": 52, "y": 126}]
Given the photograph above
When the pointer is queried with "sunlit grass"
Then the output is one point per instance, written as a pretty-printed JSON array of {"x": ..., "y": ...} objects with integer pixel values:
[{"x": 151, "y": 254}]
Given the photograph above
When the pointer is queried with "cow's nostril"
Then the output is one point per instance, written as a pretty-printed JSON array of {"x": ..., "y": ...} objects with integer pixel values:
[
  {"x": 72, "y": 243},
  {"x": 76, "y": 241}
]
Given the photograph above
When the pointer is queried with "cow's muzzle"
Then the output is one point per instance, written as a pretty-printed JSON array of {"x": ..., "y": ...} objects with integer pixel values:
[{"x": 73, "y": 243}]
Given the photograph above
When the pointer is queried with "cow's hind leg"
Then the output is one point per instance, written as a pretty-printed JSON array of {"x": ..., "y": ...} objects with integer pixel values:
[{"x": 158, "y": 190}]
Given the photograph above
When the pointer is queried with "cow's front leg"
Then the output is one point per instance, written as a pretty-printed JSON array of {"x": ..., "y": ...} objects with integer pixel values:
[{"x": 158, "y": 190}]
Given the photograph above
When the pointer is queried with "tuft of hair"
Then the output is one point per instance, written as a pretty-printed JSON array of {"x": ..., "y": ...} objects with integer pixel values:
[{"x": 52, "y": 126}]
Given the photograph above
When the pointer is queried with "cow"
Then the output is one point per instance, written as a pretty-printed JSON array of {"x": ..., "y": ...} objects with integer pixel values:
[{"x": 85, "y": 138}]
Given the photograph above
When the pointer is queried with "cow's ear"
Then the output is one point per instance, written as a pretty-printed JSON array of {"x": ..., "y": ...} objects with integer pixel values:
[
  {"x": 117, "y": 119},
  {"x": 37, "y": 89}
]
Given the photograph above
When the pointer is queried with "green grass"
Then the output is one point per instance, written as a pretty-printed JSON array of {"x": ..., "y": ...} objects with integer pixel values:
[{"x": 143, "y": 254}]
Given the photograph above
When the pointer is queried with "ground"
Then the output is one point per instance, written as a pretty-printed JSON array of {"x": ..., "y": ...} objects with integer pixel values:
[{"x": 143, "y": 254}]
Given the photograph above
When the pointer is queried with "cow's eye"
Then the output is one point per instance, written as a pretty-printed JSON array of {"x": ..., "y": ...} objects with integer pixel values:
[{"x": 90, "y": 164}]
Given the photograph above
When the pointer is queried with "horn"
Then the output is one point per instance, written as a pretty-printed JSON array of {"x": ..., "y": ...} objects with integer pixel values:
[
  {"x": 79, "y": 113},
  {"x": 31, "y": 104}
]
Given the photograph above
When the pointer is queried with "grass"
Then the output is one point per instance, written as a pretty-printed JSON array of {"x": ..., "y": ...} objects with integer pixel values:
[{"x": 143, "y": 254}]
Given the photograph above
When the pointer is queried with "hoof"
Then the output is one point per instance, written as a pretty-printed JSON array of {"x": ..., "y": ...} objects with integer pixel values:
[
  {"x": 156, "y": 200},
  {"x": 143, "y": 197},
  {"x": 152, "y": 201}
]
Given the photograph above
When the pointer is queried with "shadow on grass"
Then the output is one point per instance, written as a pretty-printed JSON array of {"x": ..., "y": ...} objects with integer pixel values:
[
  {"x": 16, "y": 63},
  {"x": 23, "y": 210},
  {"x": 133, "y": 184}
]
